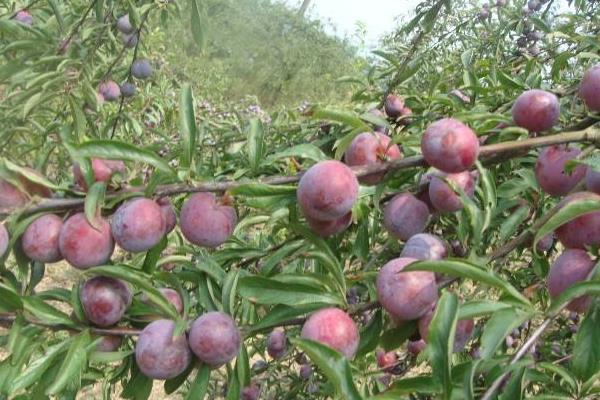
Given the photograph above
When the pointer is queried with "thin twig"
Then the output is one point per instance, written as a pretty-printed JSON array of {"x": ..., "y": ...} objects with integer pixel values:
[{"x": 9, "y": 319}]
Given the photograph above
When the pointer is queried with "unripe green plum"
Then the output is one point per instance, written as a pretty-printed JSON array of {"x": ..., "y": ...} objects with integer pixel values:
[
  {"x": 138, "y": 225},
  {"x": 571, "y": 267},
  {"x": 334, "y": 328},
  {"x": 371, "y": 148},
  {"x": 583, "y": 230},
  {"x": 205, "y": 222},
  {"x": 141, "y": 69},
  {"x": 215, "y": 339},
  {"x": 442, "y": 196},
  {"x": 327, "y": 191},
  {"x": 450, "y": 146},
  {"x": 105, "y": 300},
  {"x": 40, "y": 240},
  {"x": 405, "y": 216},
  {"x": 159, "y": 354},
  {"x": 550, "y": 170},
  {"x": 536, "y": 110},
  {"x": 408, "y": 295},
  {"x": 589, "y": 88},
  {"x": 85, "y": 246}
]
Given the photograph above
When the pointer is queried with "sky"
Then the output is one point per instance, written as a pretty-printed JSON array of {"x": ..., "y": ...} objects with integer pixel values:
[{"x": 378, "y": 16}]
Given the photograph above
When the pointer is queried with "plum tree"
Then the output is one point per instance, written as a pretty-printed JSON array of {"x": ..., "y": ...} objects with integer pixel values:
[
  {"x": 109, "y": 343},
  {"x": 141, "y": 69},
  {"x": 550, "y": 170},
  {"x": 159, "y": 354},
  {"x": 393, "y": 106},
  {"x": 40, "y": 240},
  {"x": 138, "y": 225},
  {"x": 205, "y": 222},
  {"x": 128, "y": 89},
  {"x": 277, "y": 343},
  {"x": 4, "y": 240},
  {"x": 592, "y": 180},
  {"x": 109, "y": 91},
  {"x": 215, "y": 339},
  {"x": 327, "y": 191},
  {"x": 405, "y": 216},
  {"x": 405, "y": 296},
  {"x": 442, "y": 196},
  {"x": 572, "y": 266},
  {"x": 536, "y": 110},
  {"x": 464, "y": 330},
  {"x": 168, "y": 212},
  {"x": 583, "y": 230},
  {"x": 425, "y": 246},
  {"x": 370, "y": 148},
  {"x": 102, "y": 171},
  {"x": 84, "y": 245},
  {"x": 330, "y": 228},
  {"x": 334, "y": 328},
  {"x": 589, "y": 88},
  {"x": 450, "y": 146},
  {"x": 124, "y": 25},
  {"x": 105, "y": 300},
  {"x": 24, "y": 17}
]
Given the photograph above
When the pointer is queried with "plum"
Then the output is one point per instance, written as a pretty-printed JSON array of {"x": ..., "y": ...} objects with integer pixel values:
[
  {"x": 386, "y": 361},
  {"x": 545, "y": 243},
  {"x": 159, "y": 354},
  {"x": 393, "y": 106},
  {"x": 138, "y": 225},
  {"x": 215, "y": 339},
  {"x": 141, "y": 69},
  {"x": 24, "y": 17},
  {"x": 40, "y": 240},
  {"x": 173, "y": 297},
  {"x": 124, "y": 25},
  {"x": 251, "y": 392},
  {"x": 12, "y": 196},
  {"x": 589, "y": 88},
  {"x": 109, "y": 343},
  {"x": 536, "y": 110},
  {"x": 129, "y": 40},
  {"x": 571, "y": 267},
  {"x": 330, "y": 228},
  {"x": 105, "y": 300},
  {"x": 306, "y": 371},
  {"x": 405, "y": 296},
  {"x": 450, "y": 146},
  {"x": 334, "y": 328},
  {"x": 442, "y": 196},
  {"x": 414, "y": 347},
  {"x": 592, "y": 180},
  {"x": 109, "y": 91},
  {"x": 371, "y": 148},
  {"x": 583, "y": 230},
  {"x": 327, "y": 191},
  {"x": 405, "y": 216},
  {"x": 424, "y": 246},
  {"x": 277, "y": 343},
  {"x": 128, "y": 89},
  {"x": 464, "y": 330},
  {"x": 550, "y": 170},
  {"x": 168, "y": 212},
  {"x": 204, "y": 222},
  {"x": 84, "y": 246},
  {"x": 4, "y": 240},
  {"x": 102, "y": 171}
]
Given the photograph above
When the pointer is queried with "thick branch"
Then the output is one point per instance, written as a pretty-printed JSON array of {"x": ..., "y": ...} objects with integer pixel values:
[{"x": 591, "y": 134}]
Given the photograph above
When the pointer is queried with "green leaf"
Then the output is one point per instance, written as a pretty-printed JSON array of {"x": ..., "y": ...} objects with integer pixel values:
[
  {"x": 564, "y": 373},
  {"x": 153, "y": 255},
  {"x": 282, "y": 313},
  {"x": 199, "y": 386},
  {"x": 45, "y": 312},
  {"x": 333, "y": 365},
  {"x": 256, "y": 143},
  {"x": 187, "y": 126},
  {"x": 38, "y": 367},
  {"x": 473, "y": 309},
  {"x": 115, "y": 150},
  {"x": 305, "y": 150},
  {"x": 229, "y": 291},
  {"x": 566, "y": 213},
  {"x": 269, "y": 291},
  {"x": 9, "y": 300},
  {"x": 369, "y": 335},
  {"x": 31, "y": 176},
  {"x": 94, "y": 200},
  {"x": 572, "y": 292},
  {"x": 586, "y": 353},
  {"x": 198, "y": 23},
  {"x": 510, "y": 224},
  {"x": 419, "y": 384},
  {"x": 262, "y": 189},
  {"x": 465, "y": 269},
  {"x": 498, "y": 327},
  {"x": 440, "y": 343},
  {"x": 73, "y": 363},
  {"x": 345, "y": 118},
  {"x": 393, "y": 338}
]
